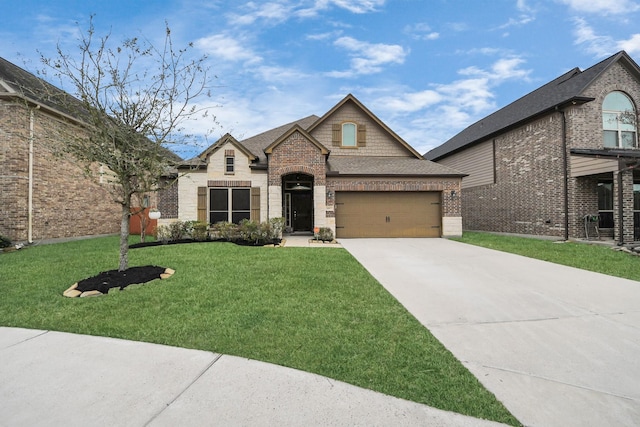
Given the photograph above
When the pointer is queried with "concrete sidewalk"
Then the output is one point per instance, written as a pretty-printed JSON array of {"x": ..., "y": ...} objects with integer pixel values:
[
  {"x": 557, "y": 345},
  {"x": 60, "y": 379}
]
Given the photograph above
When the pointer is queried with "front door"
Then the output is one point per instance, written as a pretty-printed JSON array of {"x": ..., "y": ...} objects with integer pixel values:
[{"x": 302, "y": 210}]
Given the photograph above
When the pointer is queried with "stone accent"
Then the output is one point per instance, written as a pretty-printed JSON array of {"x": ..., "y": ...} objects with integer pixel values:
[{"x": 452, "y": 226}]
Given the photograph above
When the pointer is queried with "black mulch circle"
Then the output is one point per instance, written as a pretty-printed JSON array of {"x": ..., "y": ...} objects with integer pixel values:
[{"x": 114, "y": 278}]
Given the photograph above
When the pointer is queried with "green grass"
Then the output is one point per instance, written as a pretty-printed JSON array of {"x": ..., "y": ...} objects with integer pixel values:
[
  {"x": 592, "y": 257},
  {"x": 314, "y": 309}
]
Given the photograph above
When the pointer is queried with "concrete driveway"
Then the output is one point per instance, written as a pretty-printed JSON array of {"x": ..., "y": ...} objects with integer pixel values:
[{"x": 558, "y": 346}]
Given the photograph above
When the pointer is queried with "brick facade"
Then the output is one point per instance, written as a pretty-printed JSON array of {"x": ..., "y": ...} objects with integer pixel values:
[
  {"x": 66, "y": 203},
  {"x": 527, "y": 196},
  {"x": 297, "y": 154}
]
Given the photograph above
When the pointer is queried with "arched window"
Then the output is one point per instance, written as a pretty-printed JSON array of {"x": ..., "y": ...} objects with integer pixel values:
[
  {"x": 618, "y": 121},
  {"x": 348, "y": 134}
]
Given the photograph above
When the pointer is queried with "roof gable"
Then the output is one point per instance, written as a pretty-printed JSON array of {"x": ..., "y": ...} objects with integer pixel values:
[
  {"x": 564, "y": 90},
  {"x": 224, "y": 140},
  {"x": 352, "y": 99},
  {"x": 305, "y": 134}
]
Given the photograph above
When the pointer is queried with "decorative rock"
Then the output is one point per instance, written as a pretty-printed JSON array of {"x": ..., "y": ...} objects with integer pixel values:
[
  {"x": 90, "y": 294},
  {"x": 72, "y": 292}
]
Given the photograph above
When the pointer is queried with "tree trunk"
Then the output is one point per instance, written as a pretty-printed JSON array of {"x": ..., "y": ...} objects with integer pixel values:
[{"x": 124, "y": 238}]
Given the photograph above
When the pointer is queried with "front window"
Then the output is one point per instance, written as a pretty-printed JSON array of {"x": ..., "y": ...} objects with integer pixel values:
[
  {"x": 605, "y": 204},
  {"x": 348, "y": 134},
  {"x": 229, "y": 204},
  {"x": 618, "y": 121}
]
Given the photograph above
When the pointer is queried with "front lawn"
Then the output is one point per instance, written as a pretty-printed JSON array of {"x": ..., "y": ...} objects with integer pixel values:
[
  {"x": 314, "y": 309},
  {"x": 592, "y": 257}
]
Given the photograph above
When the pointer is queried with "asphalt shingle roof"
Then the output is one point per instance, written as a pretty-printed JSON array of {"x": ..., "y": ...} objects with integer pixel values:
[
  {"x": 564, "y": 89},
  {"x": 401, "y": 166}
]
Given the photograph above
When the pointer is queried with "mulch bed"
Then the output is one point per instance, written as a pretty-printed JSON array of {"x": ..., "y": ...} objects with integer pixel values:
[{"x": 103, "y": 282}]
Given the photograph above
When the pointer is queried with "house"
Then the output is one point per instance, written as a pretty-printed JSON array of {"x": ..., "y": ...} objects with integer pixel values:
[
  {"x": 346, "y": 170},
  {"x": 43, "y": 196},
  {"x": 561, "y": 161}
]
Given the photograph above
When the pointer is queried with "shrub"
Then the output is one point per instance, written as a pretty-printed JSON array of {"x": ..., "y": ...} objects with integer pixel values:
[
  {"x": 248, "y": 230},
  {"x": 225, "y": 230},
  {"x": 199, "y": 231},
  {"x": 178, "y": 230},
  {"x": 5, "y": 242},
  {"x": 325, "y": 234},
  {"x": 163, "y": 233}
]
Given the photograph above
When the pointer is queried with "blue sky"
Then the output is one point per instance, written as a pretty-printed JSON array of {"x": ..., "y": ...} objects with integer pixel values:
[{"x": 427, "y": 68}]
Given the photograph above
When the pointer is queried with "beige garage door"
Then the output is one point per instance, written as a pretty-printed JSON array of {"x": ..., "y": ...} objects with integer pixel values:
[{"x": 388, "y": 214}]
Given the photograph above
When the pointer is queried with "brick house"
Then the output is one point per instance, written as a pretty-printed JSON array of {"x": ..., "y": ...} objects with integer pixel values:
[
  {"x": 346, "y": 170},
  {"x": 562, "y": 161},
  {"x": 43, "y": 196}
]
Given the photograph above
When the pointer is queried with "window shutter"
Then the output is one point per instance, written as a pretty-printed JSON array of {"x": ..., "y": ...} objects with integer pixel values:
[
  {"x": 255, "y": 204},
  {"x": 336, "y": 135},
  {"x": 362, "y": 135},
  {"x": 202, "y": 204}
]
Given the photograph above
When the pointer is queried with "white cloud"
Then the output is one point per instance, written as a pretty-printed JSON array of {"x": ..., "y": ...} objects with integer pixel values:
[
  {"x": 631, "y": 45},
  {"x": 605, "y": 7},
  {"x": 600, "y": 45},
  {"x": 421, "y": 31},
  {"x": 427, "y": 118},
  {"x": 221, "y": 46},
  {"x": 278, "y": 11},
  {"x": 368, "y": 58}
]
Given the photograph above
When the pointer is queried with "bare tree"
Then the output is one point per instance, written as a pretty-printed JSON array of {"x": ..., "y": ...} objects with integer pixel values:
[{"x": 135, "y": 99}]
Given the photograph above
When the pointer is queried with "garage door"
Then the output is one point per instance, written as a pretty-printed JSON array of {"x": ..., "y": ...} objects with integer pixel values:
[{"x": 388, "y": 214}]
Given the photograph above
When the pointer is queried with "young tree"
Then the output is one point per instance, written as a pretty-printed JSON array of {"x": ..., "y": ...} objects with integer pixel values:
[{"x": 135, "y": 100}]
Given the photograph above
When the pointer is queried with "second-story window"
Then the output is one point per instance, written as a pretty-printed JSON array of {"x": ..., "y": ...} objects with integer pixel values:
[
  {"x": 229, "y": 162},
  {"x": 618, "y": 121},
  {"x": 349, "y": 135}
]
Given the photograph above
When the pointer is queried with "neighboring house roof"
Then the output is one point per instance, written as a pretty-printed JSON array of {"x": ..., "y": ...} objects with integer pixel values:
[
  {"x": 565, "y": 90},
  {"x": 17, "y": 83},
  {"x": 388, "y": 166},
  {"x": 351, "y": 98}
]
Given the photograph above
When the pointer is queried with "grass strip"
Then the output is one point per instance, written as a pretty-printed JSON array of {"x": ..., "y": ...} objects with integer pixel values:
[{"x": 592, "y": 257}]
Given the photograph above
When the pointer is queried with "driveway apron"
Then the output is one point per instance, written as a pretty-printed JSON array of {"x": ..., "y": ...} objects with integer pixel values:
[{"x": 558, "y": 346}]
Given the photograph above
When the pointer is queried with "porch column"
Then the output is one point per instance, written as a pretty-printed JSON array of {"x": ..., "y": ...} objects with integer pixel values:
[{"x": 623, "y": 205}]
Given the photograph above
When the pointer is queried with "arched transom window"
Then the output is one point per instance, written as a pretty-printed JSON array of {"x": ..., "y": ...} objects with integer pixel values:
[{"x": 618, "y": 121}]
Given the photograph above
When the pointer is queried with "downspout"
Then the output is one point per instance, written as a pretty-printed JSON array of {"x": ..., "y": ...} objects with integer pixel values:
[
  {"x": 30, "y": 196},
  {"x": 565, "y": 167}
]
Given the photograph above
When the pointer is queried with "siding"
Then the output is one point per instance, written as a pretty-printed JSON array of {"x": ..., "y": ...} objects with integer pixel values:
[
  {"x": 583, "y": 166},
  {"x": 478, "y": 162}
]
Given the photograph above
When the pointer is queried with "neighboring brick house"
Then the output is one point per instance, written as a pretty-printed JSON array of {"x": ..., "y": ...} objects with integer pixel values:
[
  {"x": 345, "y": 170},
  {"x": 558, "y": 161},
  {"x": 43, "y": 196}
]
